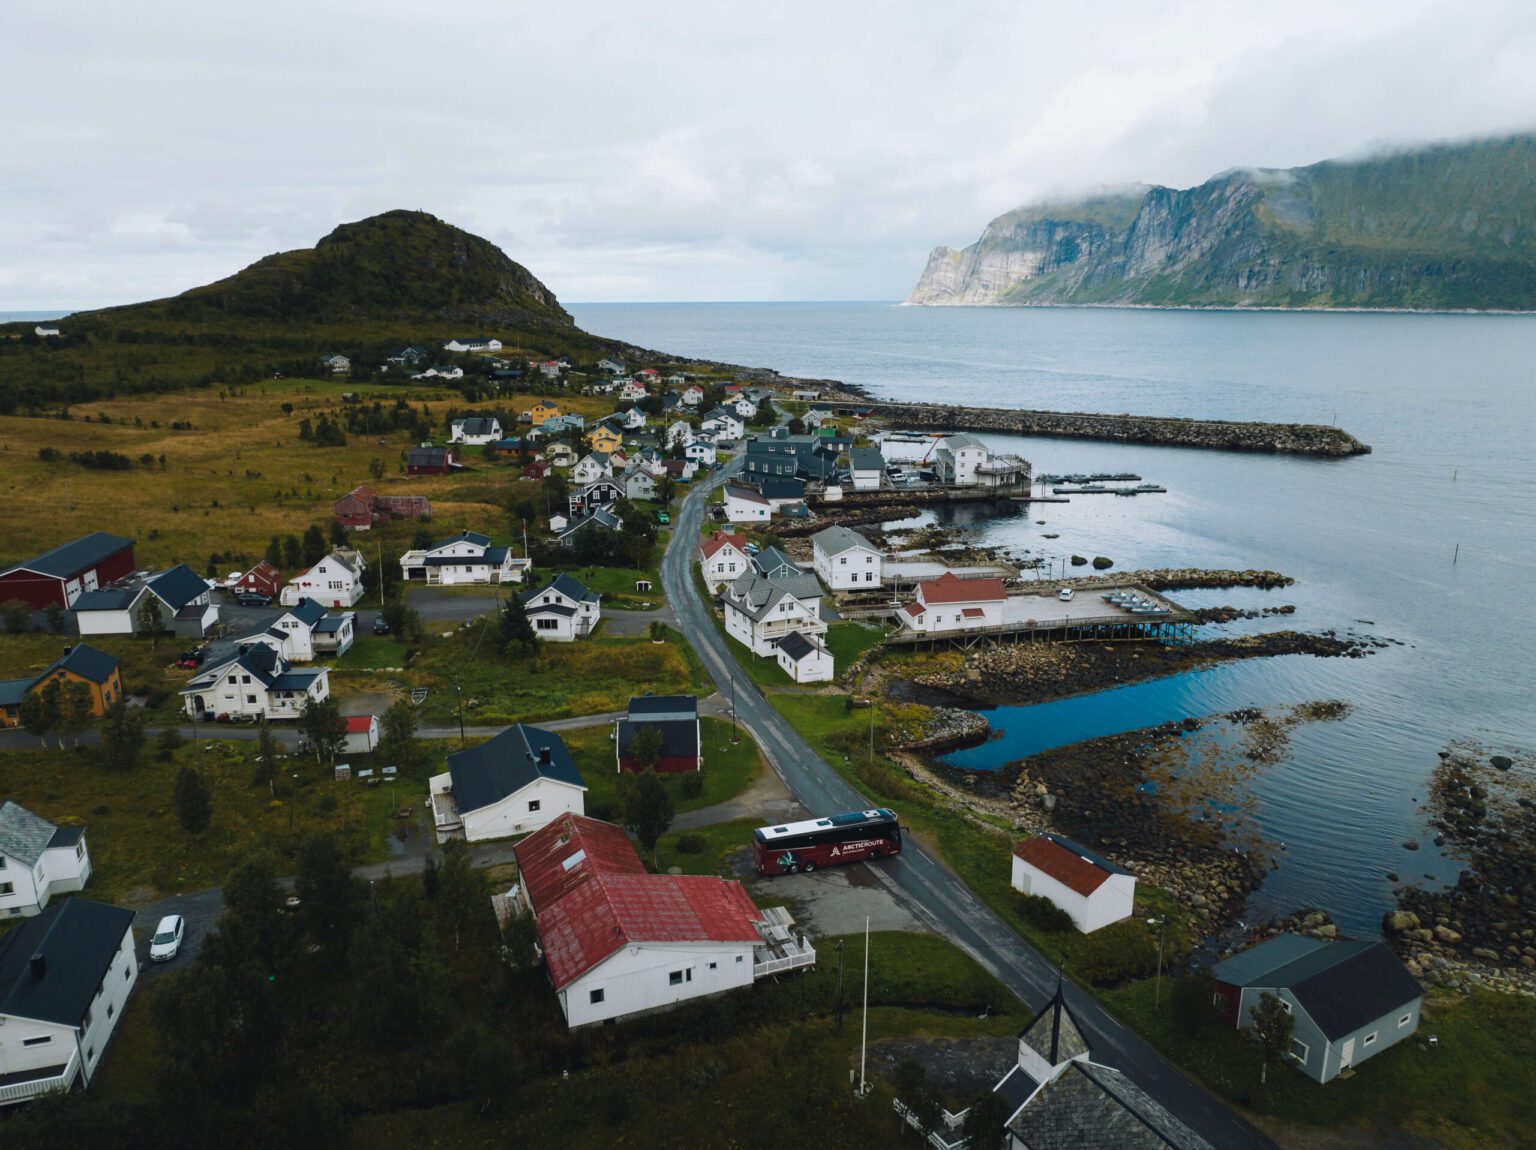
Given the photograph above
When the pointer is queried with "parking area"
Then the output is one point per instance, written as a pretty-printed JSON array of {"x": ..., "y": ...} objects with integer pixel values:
[
  {"x": 837, "y": 900},
  {"x": 201, "y": 910}
]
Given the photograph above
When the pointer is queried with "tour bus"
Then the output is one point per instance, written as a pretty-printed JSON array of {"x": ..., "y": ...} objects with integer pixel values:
[{"x": 846, "y": 838}]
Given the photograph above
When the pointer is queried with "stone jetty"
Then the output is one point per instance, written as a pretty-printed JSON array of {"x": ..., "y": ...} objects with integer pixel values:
[{"x": 1214, "y": 434}]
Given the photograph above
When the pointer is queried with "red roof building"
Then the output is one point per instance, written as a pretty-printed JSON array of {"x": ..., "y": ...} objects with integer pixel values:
[
  {"x": 950, "y": 588},
  {"x": 359, "y": 509},
  {"x": 262, "y": 579},
  {"x": 950, "y": 603},
  {"x": 1092, "y": 890},
  {"x": 617, "y": 940}
]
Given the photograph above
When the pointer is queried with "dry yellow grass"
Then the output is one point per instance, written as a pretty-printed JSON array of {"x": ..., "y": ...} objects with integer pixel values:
[{"x": 240, "y": 476}]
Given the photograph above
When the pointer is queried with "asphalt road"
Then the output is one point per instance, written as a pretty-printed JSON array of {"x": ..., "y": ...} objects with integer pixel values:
[{"x": 940, "y": 898}]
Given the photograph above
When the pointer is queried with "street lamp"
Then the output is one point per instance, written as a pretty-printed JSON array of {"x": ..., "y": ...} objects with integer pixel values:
[{"x": 1157, "y": 987}]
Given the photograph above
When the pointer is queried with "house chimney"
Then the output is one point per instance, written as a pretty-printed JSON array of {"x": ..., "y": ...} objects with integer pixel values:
[
  {"x": 67, "y": 650},
  {"x": 39, "y": 965},
  {"x": 544, "y": 758}
]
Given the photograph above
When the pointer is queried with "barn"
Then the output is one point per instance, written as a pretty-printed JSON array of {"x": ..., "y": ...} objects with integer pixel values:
[
  {"x": 676, "y": 719},
  {"x": 60, "y": 575},
  {"x": 1091, "y": 889}
]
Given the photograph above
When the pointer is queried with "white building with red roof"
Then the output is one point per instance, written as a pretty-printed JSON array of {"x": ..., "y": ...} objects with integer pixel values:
[
  {"x": 618, "y": 941},
  {"x": 1091, "y": 889},
  {"x": 722, "y": 559},
  {"x": 950, "y": 603}
]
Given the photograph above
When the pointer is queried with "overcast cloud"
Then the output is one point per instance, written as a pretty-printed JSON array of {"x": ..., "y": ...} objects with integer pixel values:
[{"x": 680, "y": 151}]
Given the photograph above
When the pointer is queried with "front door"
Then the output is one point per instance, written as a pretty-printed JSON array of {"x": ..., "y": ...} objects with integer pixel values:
[{"x": 1346, "y": 1053}]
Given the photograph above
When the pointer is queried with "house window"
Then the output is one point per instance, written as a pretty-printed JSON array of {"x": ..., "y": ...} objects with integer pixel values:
[
  {"x": 111, "y": 1010},
  {"x": 1405, "y": 1020},
  {"x": 1285, "y": 1006},
  {"x": 1370, "y": 1039},
  {"x": 738, "y": 958},
  {"x": 713, "y": 965},
  {"x": 80, "y": 851},
  {"x": 7, "y": 888},
  {"x": 250, "y": 698},
  {"x": 1299, "y": 1051},
  {"x": 533, "y": 804},
  {"x": 843, "y": 562},
  {"x": 243, "y": 679},
  {"x": 595, "y": 996},
  {"x": 86, "y": 1024},
  {"x": 548, "y": 624},
  {"x": 43, "y": 1041}
]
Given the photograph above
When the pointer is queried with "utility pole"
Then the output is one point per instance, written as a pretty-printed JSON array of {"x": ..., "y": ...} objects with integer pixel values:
[
  {"x": 735, "y": 733},
  {"x": 380, "y": 544},
  {"x": 864, "y": 1038},
  {"x": 459, "y": 691},
  {"x": 1157, "y": 987},
  {"x": 871, "y": 731},
  {"x": 839, "y": 984}
]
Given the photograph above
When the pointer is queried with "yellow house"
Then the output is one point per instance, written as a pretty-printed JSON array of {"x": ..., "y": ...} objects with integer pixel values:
[
  {"x": 81, "y": 664},
  {"x": 605, "y": 438},
  {"x": 541, "y": 411}
]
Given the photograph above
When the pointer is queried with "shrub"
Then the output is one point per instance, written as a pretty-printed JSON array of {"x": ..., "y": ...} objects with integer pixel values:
[
  {"x": 328, "y": 803},
  {"x": 692, "y": 785},
  {"x": 1043, "y": 914},
  {"x": 602, "y": 811},
  {"x": 690, "y": 844},
  {"x": 1116, "y": 952}
]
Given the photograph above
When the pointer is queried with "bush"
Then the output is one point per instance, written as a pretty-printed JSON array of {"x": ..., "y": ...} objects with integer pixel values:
[
  {"x": 692, "y": 785},
  {"x": 603, "y": 812},
  {"x": 1116, "y": 952},
  {"x": 690, "y": 844},
  {"x": 1043, "y": 914},
  {"x": 328, "y": 803}
]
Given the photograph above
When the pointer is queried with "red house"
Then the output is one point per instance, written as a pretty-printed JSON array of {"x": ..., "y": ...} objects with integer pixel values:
[
  {"x": 359, "y": 509},
  {"x": 355, "y": 509},
  {"x": 263, "y": 579},
  {"x": 538, "y": 469},
  {"x": 676, "y": 719},
  {"x": 60, "y": 575},
  {"x": 430, "y": 461}
]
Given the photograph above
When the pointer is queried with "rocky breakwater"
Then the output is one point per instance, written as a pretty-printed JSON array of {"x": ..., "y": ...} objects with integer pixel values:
[
  {"x": 1215, "y": 434},
  {"x": 1482, "y": 931}
]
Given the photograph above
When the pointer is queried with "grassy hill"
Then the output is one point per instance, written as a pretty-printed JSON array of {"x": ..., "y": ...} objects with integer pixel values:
[{"x": 397, "y": 278}]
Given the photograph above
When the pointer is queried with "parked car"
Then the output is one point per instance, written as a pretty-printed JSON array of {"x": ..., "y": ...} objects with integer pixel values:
[
  {"x": 1065, "y": 594},
  {"x": 663, "y": 518},
  {"x": 253, "y": 599},
  {"x": 380, "y": 624},
  {"x": 166, "y": 941},
  {"x": 191, "y": 660}
]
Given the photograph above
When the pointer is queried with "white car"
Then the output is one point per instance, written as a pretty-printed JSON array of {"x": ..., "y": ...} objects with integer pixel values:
[
  {"x": 1065, "y": 594},
  {"x": 166, "y": 942}
]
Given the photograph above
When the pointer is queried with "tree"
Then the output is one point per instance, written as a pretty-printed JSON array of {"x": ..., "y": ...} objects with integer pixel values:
[
  {"x": 646, "y": 746},
  {"x": 253, "y": 899},
  {"x": 293, "y": 553},
  {"x": 76, "y": 709},
  {"x": 398, "y": 741},
  {"x": 984, "y": 1122},
  {"x": 314, "y": 545},
  {"x": 421, "y": 539},
  {"x": 1269, "y": 1028},
  {"x": 328, "y": 895},
  {"x": 36, "y": 716},
  {"x": 274, "y": 554},
  {"x": 398, "y": 618},
  {"x": 168, "y": 743},
  {"x": 519, "y": 940},
  {"x": 264, "y": 769},
  {"x": 647, "y": 809},
  {"x": 151, "y": 619},
  {"x": 338, "y": 534},
  {"x": 122, "y": 736},
  {"x": 515, "y": 629},
  {"x": 797, "y": 426},
  {"x": 666, "y": 488},
  {"x": 55, "y": 616},
  {"x": 323, "y": 726},
  {"x": 16, "y": 615},
  {"x": 194, "y": 801},
  {"x": 462, "y": 901},
  {"x": 1191, "y": 999}
]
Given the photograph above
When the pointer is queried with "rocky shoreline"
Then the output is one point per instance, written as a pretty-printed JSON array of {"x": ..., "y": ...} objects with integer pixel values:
[{"x": 1212, "y": 434}]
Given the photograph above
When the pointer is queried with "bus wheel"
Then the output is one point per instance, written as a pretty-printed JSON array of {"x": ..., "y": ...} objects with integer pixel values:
[
  {"x": 809, "y": 867},
  {"x": 874, "y": 856}
]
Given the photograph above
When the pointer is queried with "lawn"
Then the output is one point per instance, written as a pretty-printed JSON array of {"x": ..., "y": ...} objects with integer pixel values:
[
  {"x": 137, "y": 845},
  {"x": 146, "y": 668},
  {"x": 1472, "y": 1090},
  {"x": 728, "y": 770},
  {"x": 373, "y": 652},
  {"x": 617, "y": 585},
  {"x": 717, "y": 844}
]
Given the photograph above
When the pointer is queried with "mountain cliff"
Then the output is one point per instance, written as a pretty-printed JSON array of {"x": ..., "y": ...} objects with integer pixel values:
[{"x": 1443, "y": 227}]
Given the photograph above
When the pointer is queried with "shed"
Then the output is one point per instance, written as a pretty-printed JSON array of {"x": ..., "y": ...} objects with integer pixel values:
[{"x": 1092, "y": 890}]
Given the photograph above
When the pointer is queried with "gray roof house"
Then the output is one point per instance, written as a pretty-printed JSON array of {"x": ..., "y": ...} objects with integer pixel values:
[
  {"x": 1349, "y": 1000},
  {"x": 511, "y": 785}
]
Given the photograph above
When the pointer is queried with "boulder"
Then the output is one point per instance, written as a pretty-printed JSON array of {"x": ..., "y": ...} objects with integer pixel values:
[
  {"x": 1502, "y": 762},
  {"x": 1446, "y": 935},
  {"x": 1400, "y": 920},
  {"x": 1079, "y": 560},
  {"x": 1102, "y": 563},
  {"x": 1327, "y": 930}
]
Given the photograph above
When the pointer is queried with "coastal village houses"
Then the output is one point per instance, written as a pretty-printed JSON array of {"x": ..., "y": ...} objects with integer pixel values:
[
  {"x": 65, "y": 978},
  {"x": 1348, "y": 1001},
  {"x": 475, "y": 430},
  {"x": 336, "y": 581},
  {"x": 262, "y": 579},
  {"x": 1092, "y": 890},
  {"x": 182, "y": 597},
  {"x": 80, "y": 663},
  {"x": 255, "y": 683},
  {"x": 429, "y": 460},
  {"x": 37, "y": 861},
  {"x": 844, "y": 560},
  {"x": 359, "y": 509},
  {"x": 676, "y": 719},
  {"x": 804, "y": 658},
  {"x": 62, "y": 574},
  {"x": 951, "y": 604},
  {"x": 472, "y": 343},
  {"x": 759, "y": 612},
  {"x": 618, "y": 941},
  {"x": 866, "y": 468},
  {"x": 307, "y": 629},
  {"x": 516, "y": 783},
  {"x": 465, "y": 558},
  {"x": 722, "y": 558},
  {"x": 745, "y": 505},
  {"x": 563, "y": 610}
]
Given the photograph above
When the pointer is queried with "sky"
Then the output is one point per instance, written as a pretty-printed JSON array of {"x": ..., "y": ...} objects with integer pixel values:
[{"x": 637, "y": 151}]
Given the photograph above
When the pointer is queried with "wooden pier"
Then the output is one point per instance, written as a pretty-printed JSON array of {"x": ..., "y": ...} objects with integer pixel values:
[{"x": 1055, "y": 621}]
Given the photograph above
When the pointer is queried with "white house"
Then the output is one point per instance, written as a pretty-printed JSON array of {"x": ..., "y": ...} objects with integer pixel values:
[
  {"x": 599, "y": 518},
  {"x": 700, "y": 452},
  {"x": 42, "y": 332},
  {"x": 362, "y": 736},
  {"x": 759, "y": 612},
  {"x": 453, "y": 372},
  {"x": 611, "y": 366},
  {"x": 37, "y": 861},
  {"x": 745, "y": 406},
  {"x": 721, "y": 560},
  {"x": 562, "y": 610},
  {"x": 336, "y": 364},
  {"x": 618, "y": 941},
  {"x": 465, "y": 558},
  {"x": 744, "y": 505},
  {"x": 803, "y": 658},
  {"x": 591, "y": 467},
  {"x": 965, "y": 461},
  {"x": 184, "y": 598},
  {"x": 843, "y": 559},
  {"x": 65, "y": 976},
  {"x": 475, "y": 429},
  {"x": 258, "y": 682},
  {"x": 866, "y": 468},
  {"x": 950, "y": 603},
  {"x": 473, "y": 343},
  {"x": 638, "y": 483},
  {"x": 680, "y": 434},
  {"x": 632, "y": 420},
  {"x": 632, "y": 389},
  {"x": 721, "y": 425},
  {"x": 336, "y": 581},
  {"x": 518, "y": 782},
  {"x": 1091, "y": 889},
  {"x": 691, "y": 396}
]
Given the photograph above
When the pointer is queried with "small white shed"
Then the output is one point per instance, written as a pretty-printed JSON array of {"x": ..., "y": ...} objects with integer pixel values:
[{"x": 1091, "y": 889}]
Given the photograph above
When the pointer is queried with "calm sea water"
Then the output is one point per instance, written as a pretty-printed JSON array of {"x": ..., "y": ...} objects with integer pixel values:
[{"x": 1429, "y": 541}]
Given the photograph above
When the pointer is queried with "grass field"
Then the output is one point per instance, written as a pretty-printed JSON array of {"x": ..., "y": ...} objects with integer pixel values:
[
  {"x": 146, "y": 669},
  {"x": 239, "y": 476},
  {"x": 728, "y": 770}
]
